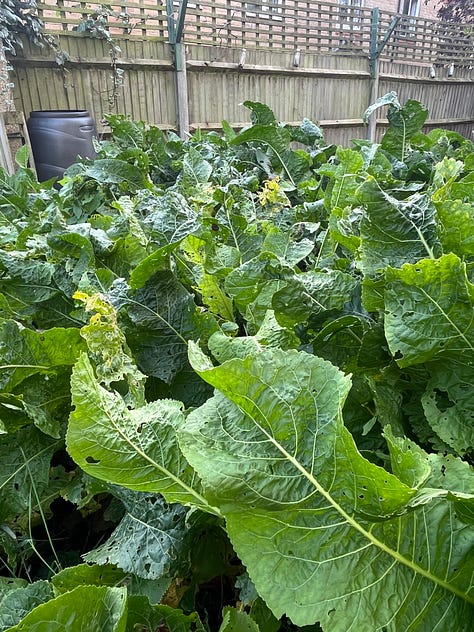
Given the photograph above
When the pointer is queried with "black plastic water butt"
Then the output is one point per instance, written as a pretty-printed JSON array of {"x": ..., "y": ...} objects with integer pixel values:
[{"x": 57, "y": 138}]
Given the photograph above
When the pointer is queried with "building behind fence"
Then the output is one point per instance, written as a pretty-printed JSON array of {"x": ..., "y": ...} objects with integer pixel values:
[{"x": 325, "y": 61}]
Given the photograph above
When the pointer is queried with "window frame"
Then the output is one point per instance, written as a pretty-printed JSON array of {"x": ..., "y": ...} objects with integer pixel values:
[
  {"x": 413, "y": 8},
  {"x": 266, "y": 9}
]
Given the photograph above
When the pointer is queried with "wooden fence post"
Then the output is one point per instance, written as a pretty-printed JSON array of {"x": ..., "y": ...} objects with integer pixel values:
[
  {"x": 175, "y": 34},
  {"x": 376, "y": 49},
  {"x": 181, "y": 82},
  {"x": 374, "y": 74},
  {"x": 6, "y": 105}
]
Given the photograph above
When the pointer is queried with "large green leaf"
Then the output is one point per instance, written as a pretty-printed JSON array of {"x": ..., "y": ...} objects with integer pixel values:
[
  {"x": 25, "y": 459},
  {"x": 133, "y": 448},
  {"x": 429, "y": 308},
  {"x": 456, "y": 226},
  {"x": 295, "y": 165},
  {"x": 34, "y": 375},
  {"x": 24, "y": 278},
  {"x": 18, "y": 602},
  {"x": 253, "y": 284},
  {"x": 449, "y": 406},
  {"x": 312, "y": 293},
  {"x": 237, "y": 621},
  {"x": 345, "y": 175},
  {"x": 167, "y": 218},
  {"x": 158, "y": 320},
  {"x": 322, "y": 531},
  {"x": 91, "y": 608},
  {"x": 261, "y": 113},
  {"x": 195, "y": 171},
  {"x": 143, "y": 616},
  {"x": 282, "y": 244},
  {"x": 114, "y": 171},
  {"x": 395, "y": 232},
  {"x": 87, "y": 575},
  {"x": 24, "y": 352},
  {"x": 404, "y": 123},
  {"x": 151, "y": 541}
]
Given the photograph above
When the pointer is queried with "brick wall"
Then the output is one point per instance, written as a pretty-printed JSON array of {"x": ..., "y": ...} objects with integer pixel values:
[
  {"x": 6, "y": 96},
  {"x": 426, "y": 10}
]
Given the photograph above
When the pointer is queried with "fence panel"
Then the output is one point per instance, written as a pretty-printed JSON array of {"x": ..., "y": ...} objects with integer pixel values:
[
  {"x": 428, "y": 41},
  {"x": 302, "y": 58},
  {"x": 322, "y": 27}
]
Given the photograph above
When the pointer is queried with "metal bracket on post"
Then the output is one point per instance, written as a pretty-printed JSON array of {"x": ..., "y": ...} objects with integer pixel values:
[
  {"x": 376, "y": 49},
  {"x": 297, "y": 57}
]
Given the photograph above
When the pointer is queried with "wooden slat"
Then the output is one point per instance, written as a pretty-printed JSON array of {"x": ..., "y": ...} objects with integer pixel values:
[{"x": 6, "y": 161}]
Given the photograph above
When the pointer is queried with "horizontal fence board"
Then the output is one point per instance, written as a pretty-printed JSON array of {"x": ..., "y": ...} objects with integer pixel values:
[
  {"x": 222, "y": 67},
  {"x": 214, "y": 96}
]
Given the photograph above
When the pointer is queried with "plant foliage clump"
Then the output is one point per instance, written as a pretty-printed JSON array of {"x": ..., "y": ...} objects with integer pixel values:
[{"x": 236, "y": 382}]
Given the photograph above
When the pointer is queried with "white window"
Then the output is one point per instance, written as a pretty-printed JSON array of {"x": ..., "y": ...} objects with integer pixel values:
[
  {"x": 409, "y": 7},
  {"x": 407, "y": 25},
  {"x": 350, "y": 13},
  {"x": 269, "y": 9}
]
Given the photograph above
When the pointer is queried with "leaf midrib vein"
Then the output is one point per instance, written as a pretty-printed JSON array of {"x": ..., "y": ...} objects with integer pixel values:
[
  {"x": 355, "y": 525},
  {"x": 201, "y": 500}
]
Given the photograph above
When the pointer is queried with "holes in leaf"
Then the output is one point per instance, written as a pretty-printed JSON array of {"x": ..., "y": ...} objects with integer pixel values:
[
  {"x": 443, "y": 403},
  {"x": 91, "y": 460},
  {"x": 147, "y": 567},
  {"x": 361, "y": 496}
]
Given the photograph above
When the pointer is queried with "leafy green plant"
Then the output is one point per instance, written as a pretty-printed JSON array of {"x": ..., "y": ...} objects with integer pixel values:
[
  {"x": 244, "y": 369},
  {"x": 96, "y": 25}
]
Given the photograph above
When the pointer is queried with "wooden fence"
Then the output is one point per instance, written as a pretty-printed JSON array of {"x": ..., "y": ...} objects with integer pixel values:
[{"x": 320, "y": 60}]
